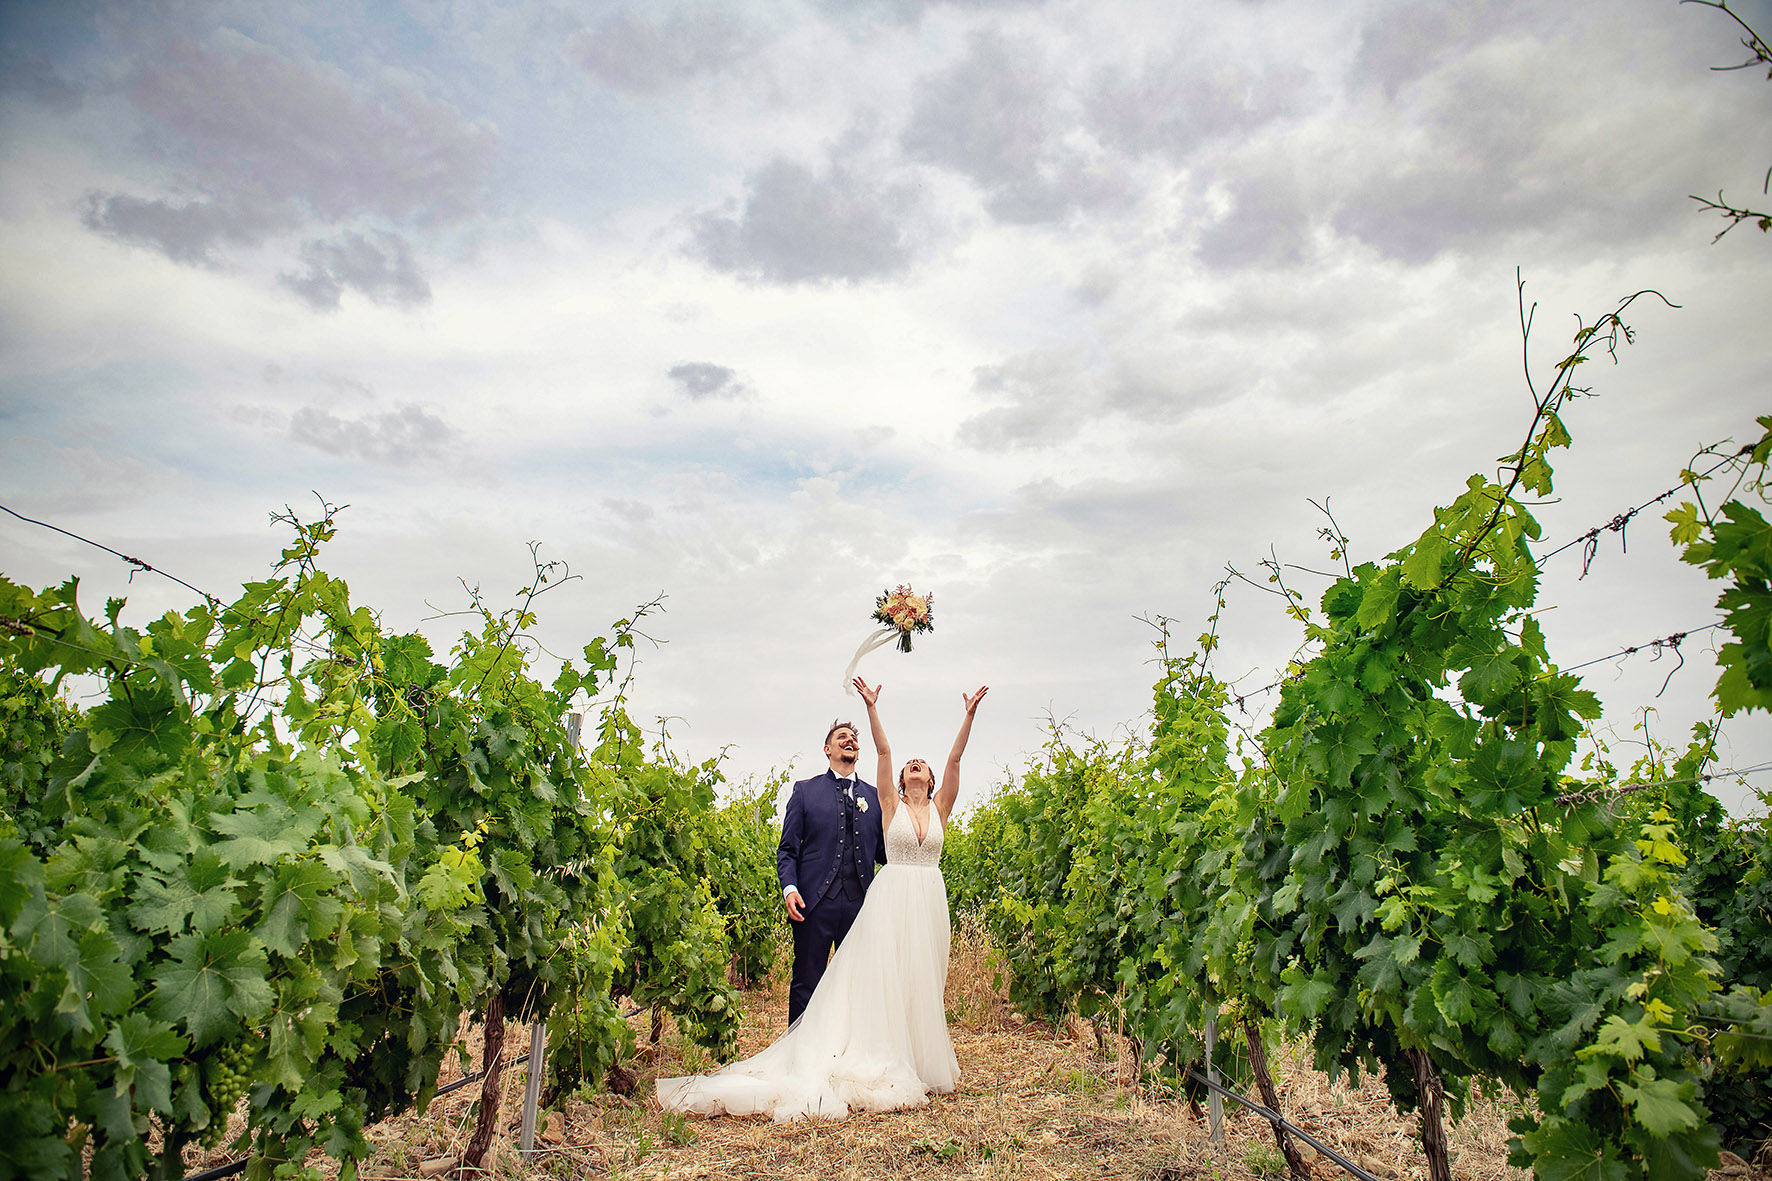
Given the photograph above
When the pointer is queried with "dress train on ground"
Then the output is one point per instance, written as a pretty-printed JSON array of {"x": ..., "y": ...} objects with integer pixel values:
[{"x": 874, "y": 1036}]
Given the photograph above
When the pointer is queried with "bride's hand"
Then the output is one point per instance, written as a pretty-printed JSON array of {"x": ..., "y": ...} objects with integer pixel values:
[
  {"x": 973, "y": 699},
  {"x": 868, "y": 695}
]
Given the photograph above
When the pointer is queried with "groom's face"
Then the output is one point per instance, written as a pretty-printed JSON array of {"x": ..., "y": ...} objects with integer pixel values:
[{"x": 842, "y": 748}]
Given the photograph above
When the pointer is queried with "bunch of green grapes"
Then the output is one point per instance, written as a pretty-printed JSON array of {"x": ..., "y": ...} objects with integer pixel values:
[{"x": 229, "y": 1078}]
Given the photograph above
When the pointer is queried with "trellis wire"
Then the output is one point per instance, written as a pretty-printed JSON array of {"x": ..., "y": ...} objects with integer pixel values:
[
  {"x": 1590, "y": 540},
  {"x": 1280, "y": 1121}
]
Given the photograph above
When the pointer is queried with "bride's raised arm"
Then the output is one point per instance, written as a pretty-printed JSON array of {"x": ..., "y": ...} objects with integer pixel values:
[
  {"x": 883, "y": 781},
  {"x": 950, "y": 775}
]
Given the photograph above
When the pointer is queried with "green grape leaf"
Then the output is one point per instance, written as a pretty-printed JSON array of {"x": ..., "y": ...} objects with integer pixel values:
[
  {"x": 1423, "y": 569},
  {"x": 1306, "y": 996},
  {"x": 1590, "y": 1076},
  {"x": 198, "y": 892},
  {"x": 1565, "y": 1150},
  {"x": 20, "y": 874},
  {"x": 263, "y": 833},
  {"x": 70, "y": 934},
  {"x": 1659, "y": 1104},
  {"x": 1472, "y": 949},
  {"x": 1734, "y": 692},
  {"x": 299, "y": 903},
  {"x": 1378, "y": 605},
  {"x": 1621, "y": 1039},
  {"x": 1456, "y": 1001},
  {"x": 142, "y": 1046},
  {"x": 1687, "y": 528},
  {"x": 213, "y": 982},
  {"x": 1683, "y": 1157},
  {"x": 1490, "y": 676}
]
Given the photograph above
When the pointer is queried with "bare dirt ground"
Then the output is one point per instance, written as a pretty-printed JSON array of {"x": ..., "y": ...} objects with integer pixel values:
[{"x": 1035, "y": 1102}]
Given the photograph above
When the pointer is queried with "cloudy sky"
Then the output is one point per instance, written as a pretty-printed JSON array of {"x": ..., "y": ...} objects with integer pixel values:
[{"x": 1054, "y": 308}]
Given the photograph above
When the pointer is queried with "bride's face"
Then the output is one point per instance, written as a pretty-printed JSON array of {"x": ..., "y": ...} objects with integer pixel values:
[{"x": 918, "y": 779}]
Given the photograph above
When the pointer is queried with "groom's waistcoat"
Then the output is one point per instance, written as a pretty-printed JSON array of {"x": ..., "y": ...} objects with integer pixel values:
[{"x": 824, "y": 837}]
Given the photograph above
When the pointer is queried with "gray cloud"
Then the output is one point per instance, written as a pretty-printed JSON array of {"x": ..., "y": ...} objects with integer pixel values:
[
  {"x": 379, "y": 267},
  {"x": 798, "y": 227},
  {"x": 1161, "y": 387},
  {"x": 1181, "y": 100},
  {"x": 643, "y": 57},
  {"x": 400, "y": 437},
  {"x": 911, "y": 11},
  {"x": 700, "y": 381},
  {"x": 1504, "y": 142},
  {"x": 1045, "y": 397},
  {"x": 340, "y": 384},
  {"x": 632, "y": 512},
  {"x": 38, "y": 80},
  {"x": 254, "y": 123},
  {"x": 993, "y": 117},
  {"x": 1270, "y": 224},
  {"x": 262, "y": 145},
  {"x": 1402, "y": 41},
  {"x": 191, "y": 232}
]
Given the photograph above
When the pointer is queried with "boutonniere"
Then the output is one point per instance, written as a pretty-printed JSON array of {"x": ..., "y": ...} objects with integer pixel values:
[{"x": 861, "y": 804}]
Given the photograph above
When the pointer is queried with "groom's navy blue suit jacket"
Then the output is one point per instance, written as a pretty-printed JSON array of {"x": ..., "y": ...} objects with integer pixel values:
[{"x": 811, "y": 830}]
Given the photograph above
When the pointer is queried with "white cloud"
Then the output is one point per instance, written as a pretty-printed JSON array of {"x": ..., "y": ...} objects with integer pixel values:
[{"x": 1054, "y": 311}]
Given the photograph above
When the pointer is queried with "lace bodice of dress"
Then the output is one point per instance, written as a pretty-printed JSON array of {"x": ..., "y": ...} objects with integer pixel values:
[{"x": 901, "y": 843}]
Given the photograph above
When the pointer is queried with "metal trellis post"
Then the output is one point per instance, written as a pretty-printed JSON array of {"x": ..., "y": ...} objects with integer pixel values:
[
  {"x": 1214, "y": 1104},
  {"x": 538, "y": 1049}
]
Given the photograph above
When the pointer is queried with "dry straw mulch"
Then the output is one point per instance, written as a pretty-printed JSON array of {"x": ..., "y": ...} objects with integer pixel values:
[{"x": 1035, "y": 1102}]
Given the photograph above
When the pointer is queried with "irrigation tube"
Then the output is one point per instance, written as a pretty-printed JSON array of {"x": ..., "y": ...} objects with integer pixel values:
[{"x": 1274, "y": 1117}]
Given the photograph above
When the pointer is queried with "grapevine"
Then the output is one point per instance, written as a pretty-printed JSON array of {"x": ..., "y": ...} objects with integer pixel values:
[
  {"x": 288, "y": 851},
  {"x": 1409, "y": 873}
]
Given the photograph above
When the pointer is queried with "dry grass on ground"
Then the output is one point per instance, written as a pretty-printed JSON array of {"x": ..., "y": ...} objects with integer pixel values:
[{"x": 1034, "y": 1102}]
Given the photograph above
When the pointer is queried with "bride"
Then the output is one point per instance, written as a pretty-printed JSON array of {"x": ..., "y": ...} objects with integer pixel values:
[{"x": 874, "y": 1036}]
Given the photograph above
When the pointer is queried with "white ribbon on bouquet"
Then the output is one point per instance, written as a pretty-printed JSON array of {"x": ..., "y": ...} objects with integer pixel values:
[{"x": 878, "y": 639}]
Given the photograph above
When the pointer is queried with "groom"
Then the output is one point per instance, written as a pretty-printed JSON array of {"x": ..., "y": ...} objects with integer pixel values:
[{"x": 830, "y": 841}]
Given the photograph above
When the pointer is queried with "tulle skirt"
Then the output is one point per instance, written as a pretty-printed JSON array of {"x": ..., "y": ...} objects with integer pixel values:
[{"x": 874, "y": 1036}]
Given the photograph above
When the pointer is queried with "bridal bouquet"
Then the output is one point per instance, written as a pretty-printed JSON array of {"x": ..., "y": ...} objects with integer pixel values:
[{"x": 905, "y": 611}]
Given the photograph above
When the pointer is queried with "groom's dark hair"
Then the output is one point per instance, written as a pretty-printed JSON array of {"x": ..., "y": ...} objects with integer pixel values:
[{"x": 836, "y": 726}]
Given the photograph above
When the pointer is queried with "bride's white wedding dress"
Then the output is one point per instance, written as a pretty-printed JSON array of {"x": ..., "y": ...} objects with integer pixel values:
[{"x": 874, "y": 1036}]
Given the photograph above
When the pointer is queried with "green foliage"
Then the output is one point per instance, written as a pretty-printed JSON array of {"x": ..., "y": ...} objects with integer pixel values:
[
  {"x": 1734, "y": 542},
  {"x": 1729, "y": 877},
  {"x": 741, "y": 867},
  {"x": 1101, "y": 875},
  {"x": 1409, "y": 867},
  {"x": 285, "y": 853},
  {"x": 1423, "y": 888}
]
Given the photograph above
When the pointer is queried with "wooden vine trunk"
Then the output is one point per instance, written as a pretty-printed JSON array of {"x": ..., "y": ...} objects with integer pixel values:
[
  {"x": 1433, "y": 1123},
  {"x": 1264, "y": 1082},
  {"x": 473, "y": 1161}
]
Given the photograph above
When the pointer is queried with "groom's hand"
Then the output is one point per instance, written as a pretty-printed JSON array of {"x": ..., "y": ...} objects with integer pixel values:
[{"x": 796, "y": 906}]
